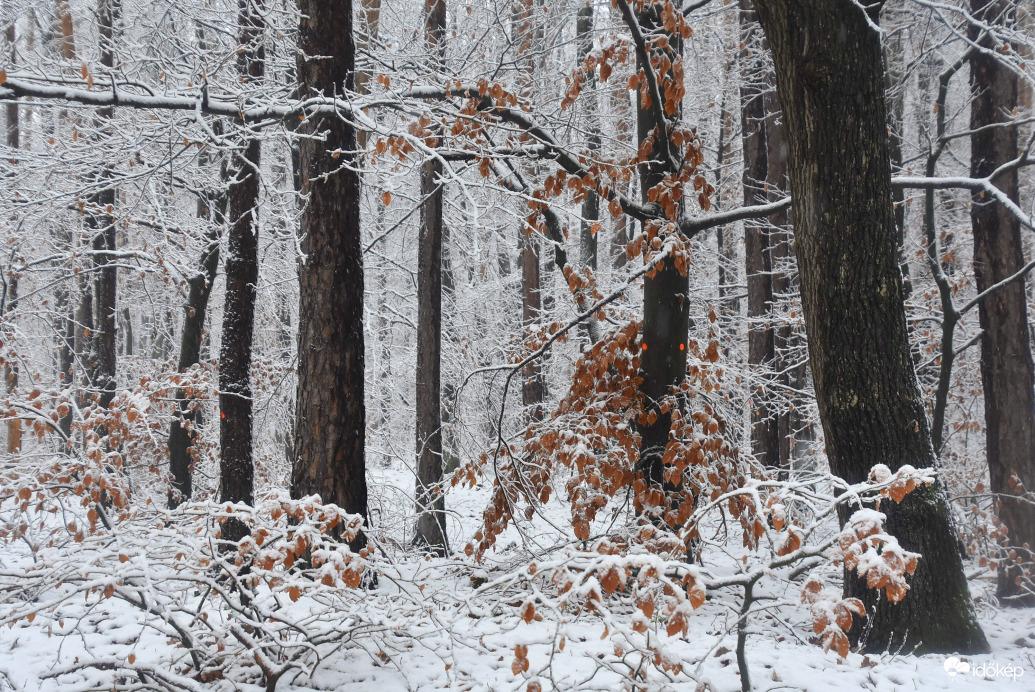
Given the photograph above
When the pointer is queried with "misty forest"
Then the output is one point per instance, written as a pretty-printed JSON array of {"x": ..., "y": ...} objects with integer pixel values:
[{"x": 517, "y": 345}]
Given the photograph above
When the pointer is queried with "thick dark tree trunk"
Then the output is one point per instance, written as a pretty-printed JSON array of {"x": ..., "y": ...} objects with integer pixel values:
[
  {"x": 765, "y": 429},
  {"x": 330, "y": 425},
  {"x": 666, "y": 309},
  {"x": 431, "y": 506},
  {"x": 831, "y": 83},
  {"x": 182, "y": 432},
  {"x": 1006, "y": 361},
  {"x": 236, "y": 471}
]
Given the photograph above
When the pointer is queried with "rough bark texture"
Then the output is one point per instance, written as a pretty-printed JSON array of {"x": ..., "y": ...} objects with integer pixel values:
[
  {"x": 829, "y": 71},
  {"x": 666, "y": 310},
  {"x": 330, "y": 425},
  {"x": 431, "y": 506},
  {"x": 236, "y": 471},
  {"x": 1006, "y": 361},
  {"x": 765, "y": 429}
]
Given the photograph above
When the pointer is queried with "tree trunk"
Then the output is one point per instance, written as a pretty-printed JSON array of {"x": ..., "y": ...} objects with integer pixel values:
[
  {"x": 526, "y": 31},
  {"x": 788, "y": 344},
  {"x": 64, "y": 304},
  {"x": 330, "y": 426},
  {"x": 765, "y": 429},
  {"x": 533, "y": 385},
  {"x": 431, "y": 506},
  {"x": 590, "y": 225},
  {"x": 182, "y": 432},
  {"x": 895, "y": 86},
  {"x": 829, "y": 71},
  {"x": 14, "y": 425},
  {"x": 1006, "y": 361},
  {"x": 666, "y": 310},
  {"x": 236, "y": 471},
  {"x": 103, "y": 354}
]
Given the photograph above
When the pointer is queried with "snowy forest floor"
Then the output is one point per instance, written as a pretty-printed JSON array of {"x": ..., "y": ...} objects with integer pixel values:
[{"x": 421, "y": 629}]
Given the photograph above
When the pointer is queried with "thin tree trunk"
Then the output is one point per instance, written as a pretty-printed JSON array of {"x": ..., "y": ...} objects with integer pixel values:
[
  {"x": 103, "y": 356},
  {"x": 431, "y": 506},
  {"x": 623, "y": 117},
  {"x": 533, "y": 386},
  {"x": 64, "y": 304},
  {"x": 236, "y": 470},
  {"x": 590, "y": 225},
  {"x": 829, "y": 71},
  {"x": 790, "y": 349},
  {"x": 894, "y": 76},
  {"x": 182, "y": 432},
  {"x": 1006, "y": 361},
  {"x": 14, "y": 425},
  {"x": 330, "y": 422},
  {"x": 758, "y": 266}
]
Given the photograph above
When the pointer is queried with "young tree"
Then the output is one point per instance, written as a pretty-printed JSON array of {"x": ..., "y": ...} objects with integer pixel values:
[
  {"x": 102, "y": 359},
  {"x": 1006, "y": 361},
  {"x": 431, "y": 519},
  {"x": 182, "y": 431},
  {"x": 14, "y": 425},
  {"x": 765, "y": 429},
  {"x": 526, "y": 32},
  {"x": 236, "y": 471},
  {"x": 829, "y": 73}
]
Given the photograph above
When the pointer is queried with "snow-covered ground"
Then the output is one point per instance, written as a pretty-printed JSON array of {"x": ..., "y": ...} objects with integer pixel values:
[
  {"x": 429, "y": 626},
  {"x": 449, "y": 651}
]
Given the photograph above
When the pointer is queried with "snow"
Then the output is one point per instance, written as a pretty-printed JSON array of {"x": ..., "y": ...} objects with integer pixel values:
[
  {"x": 429, "y": 658},
  {"x": 447, "y": 624}
]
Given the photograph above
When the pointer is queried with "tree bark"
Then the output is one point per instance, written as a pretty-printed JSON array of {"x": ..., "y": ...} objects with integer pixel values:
[
  {"x": 1006, "y": 360},
  {"x": 64, "y": 306},
  {"x": 829, "y": 72},
  {"x": 431, "y": 506},
  {"x": 765, "y": 429},
  {"x": 103, "y": 353},
  {"x": 330, "y": 422},
  {"x": 526, "y": 31},
  {"x": 182, "y": 433},
  {"x": 236, "y": 470},
  {"x": 590, "y": 225},
  {"x": 666, "y": 308},
  {"x": 13, "y": 125}
]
